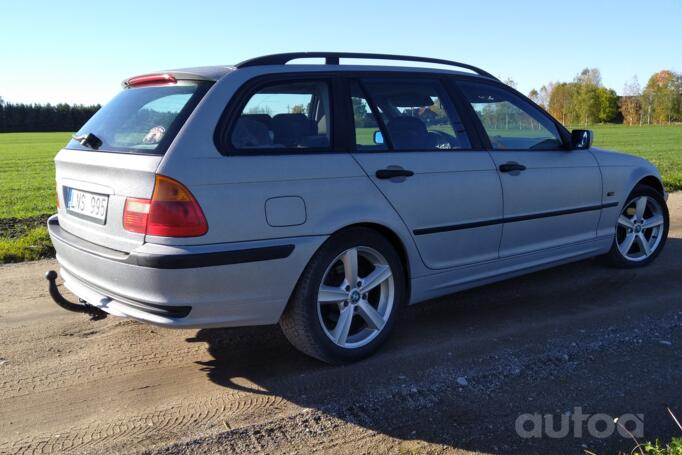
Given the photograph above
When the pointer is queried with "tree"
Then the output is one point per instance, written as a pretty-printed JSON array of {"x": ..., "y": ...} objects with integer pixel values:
[
  {"x": 589, "y": 76},
  {"x": 608, "y": 104},
  {"x": 546, "y": 94},
  {"x": 563, "y": 102},
  {"x": 297, "y": 109},
  {"x": 587, "y": 103},
  {"x": 630, "y": 103},
  {"x": 38, "y": 117},
  {"x": 534, "y": 96},
  {"x": 661, "y": 97}
]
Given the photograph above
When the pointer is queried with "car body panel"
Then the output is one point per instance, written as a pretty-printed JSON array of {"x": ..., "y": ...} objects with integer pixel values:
[
  {"x": 116, "y": 175},
  {"x": 439, "y": 196},
  {"x": 553, "y": 181},
  {"x": 620, "y": 174},
  {"x": 248, "y": 293}
]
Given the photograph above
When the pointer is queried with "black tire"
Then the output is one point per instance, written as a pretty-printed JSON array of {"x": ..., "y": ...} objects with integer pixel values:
[
  {"x": 614, "y": 257},
  {"x": 300, "y": 322}
]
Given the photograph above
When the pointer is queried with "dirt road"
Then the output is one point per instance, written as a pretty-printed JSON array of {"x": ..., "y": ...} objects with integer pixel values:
[{"x": 454, "y": 378}]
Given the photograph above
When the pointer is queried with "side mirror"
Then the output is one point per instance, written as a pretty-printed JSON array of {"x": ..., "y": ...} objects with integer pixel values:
[
  {"x": 378, "y": 137},
  {"x": 581, "y": 139}
]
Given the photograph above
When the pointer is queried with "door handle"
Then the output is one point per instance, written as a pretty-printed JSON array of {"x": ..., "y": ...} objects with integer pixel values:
[
  {"x": 393, "y": 172},
  {"x": 511, "y": 167}
]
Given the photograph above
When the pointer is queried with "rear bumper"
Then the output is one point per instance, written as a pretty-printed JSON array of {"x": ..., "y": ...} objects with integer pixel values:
[{"x": 219, "y": 285}]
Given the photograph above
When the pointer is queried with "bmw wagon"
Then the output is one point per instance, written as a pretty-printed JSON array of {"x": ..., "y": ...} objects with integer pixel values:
[{"x": 326, "y": 196}]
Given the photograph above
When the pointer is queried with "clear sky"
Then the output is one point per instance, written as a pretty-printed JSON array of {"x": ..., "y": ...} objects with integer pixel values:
[{"x": 79, "y": 51}]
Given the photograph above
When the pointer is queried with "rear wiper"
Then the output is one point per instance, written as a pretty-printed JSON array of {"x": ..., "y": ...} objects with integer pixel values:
[{"x": 88, "y": 140}]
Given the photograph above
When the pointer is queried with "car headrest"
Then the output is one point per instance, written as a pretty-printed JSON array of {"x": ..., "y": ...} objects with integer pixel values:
[
  {"x": 409, "y": 133},
  {"x": 290, "y": 129},
  {"x": 250, "y": 133}
]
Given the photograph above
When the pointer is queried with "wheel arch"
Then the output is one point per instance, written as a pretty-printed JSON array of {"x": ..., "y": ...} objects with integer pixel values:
[
  {"x": 653, "y": 182},
  {"x": 390, "y": 235}
]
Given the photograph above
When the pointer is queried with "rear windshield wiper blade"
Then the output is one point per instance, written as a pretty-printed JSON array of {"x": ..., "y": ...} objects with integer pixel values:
[{"x": 88, "y": 140}]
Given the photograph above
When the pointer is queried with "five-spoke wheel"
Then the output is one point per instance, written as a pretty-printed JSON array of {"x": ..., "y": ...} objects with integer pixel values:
[
  {"x": 641, "y": 230},
  {"x": 346, "y": 301},
  {"x": 356, "y": 297}
]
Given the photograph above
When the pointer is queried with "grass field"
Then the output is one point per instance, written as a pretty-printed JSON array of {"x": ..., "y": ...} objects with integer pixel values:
[{"x": 27, "y": 194}]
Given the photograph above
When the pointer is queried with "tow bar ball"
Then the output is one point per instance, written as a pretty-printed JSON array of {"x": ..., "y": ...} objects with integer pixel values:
[{"x": 94, "y": 312}]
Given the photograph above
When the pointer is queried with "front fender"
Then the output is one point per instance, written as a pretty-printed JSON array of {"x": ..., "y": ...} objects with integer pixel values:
[{"x": 620, "y": 174}]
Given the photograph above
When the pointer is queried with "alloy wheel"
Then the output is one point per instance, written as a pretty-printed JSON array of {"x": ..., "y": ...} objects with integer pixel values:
[
  {"x": 640, "y": 228},
  {"x": 356, "y": 297}
]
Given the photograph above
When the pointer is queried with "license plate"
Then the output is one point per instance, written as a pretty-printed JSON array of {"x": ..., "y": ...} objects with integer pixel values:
[{"x": 91, "y": 206}]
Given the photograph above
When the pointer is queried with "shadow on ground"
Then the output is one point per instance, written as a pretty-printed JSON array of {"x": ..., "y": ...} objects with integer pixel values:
[{"x": 460, "y": 370}]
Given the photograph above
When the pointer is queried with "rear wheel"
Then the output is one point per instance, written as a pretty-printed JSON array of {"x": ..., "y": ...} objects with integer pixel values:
[
  {"x": 346, "y": 301},
  {"x": 641, "y": 229}
]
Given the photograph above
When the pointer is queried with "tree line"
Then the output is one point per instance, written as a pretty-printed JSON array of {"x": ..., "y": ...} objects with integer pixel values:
[
  {"x": 582, "y": 101},
  {"x": 585, "y": 100},
  {"x": 18, "y": 117}
]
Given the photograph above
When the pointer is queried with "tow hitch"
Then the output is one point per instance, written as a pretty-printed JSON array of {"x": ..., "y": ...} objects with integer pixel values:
[{"x": 94, "y": 312}]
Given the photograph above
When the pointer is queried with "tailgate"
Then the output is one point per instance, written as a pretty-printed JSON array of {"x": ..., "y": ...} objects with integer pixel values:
[{"x": 104, "y": 178}]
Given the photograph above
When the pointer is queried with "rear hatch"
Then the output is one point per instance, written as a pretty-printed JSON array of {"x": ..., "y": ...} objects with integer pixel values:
[{"x": 115, "y": 155}]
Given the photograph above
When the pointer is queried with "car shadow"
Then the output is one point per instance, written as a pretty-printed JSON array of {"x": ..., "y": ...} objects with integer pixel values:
[{"x": 420, "y": 386}]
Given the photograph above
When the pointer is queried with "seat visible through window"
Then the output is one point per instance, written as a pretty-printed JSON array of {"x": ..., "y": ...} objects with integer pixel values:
[
  {"x": 417, "y": 115},
  {"x": 291, "y": 115},
  {"x": 409, "y": 133}
]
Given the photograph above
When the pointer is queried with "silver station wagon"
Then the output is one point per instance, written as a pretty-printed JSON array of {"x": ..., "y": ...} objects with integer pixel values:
[{"x": 326, "y": 196}]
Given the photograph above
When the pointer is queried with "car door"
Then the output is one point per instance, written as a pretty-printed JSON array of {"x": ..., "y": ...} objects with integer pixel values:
[
  {"x": 552, "y": 195},
  {"x": 410, "y": 141}
]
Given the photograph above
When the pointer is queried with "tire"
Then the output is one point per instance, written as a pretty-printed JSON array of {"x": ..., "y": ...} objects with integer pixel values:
[
  {"x": 311, "y": 326},
  {"x": 655, "y": 237}
]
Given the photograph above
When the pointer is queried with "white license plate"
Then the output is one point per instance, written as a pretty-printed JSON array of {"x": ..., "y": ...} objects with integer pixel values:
[{"x": 91, "y": 206}]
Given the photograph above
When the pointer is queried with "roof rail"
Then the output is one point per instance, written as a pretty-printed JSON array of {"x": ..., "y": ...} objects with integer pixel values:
[{"x": 332, "y": 58}]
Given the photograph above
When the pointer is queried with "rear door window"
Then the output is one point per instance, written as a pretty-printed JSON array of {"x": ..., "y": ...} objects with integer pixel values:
[
  {"x": 142, "y": 119},
  {"x": 416, "y": 113},
  {"x": 284, "y": 116}
]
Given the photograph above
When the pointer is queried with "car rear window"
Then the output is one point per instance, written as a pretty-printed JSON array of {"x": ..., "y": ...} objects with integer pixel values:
[{"x": 142, "y": 119}]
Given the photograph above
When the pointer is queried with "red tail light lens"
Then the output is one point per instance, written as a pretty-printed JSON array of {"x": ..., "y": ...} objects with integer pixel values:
[
  {"x": 171, "y": 212},
  {"x": 174, "y": 211},
  {"x": 135, "y": 214}
]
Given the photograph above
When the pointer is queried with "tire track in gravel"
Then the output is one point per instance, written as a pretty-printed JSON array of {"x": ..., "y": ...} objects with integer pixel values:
[
  {"x": 440, "y": 384},
  {"x": 423, "y": 391}
]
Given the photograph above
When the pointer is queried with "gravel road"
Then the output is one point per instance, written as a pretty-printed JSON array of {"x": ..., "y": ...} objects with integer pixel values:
[{"x": 454, "y": 378}]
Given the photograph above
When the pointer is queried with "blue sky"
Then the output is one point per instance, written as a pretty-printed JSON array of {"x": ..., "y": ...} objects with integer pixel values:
[{"x": 77, "y": 51}]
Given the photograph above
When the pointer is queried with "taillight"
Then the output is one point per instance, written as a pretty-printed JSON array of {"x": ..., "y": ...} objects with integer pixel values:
[
  {"x": 135, "y": 214},
  {"x": 171, "y": 212}
]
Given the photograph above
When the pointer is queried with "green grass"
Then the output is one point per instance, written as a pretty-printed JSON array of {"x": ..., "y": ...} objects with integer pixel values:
[
  {"x": 33, "y": 245},
  {"x": 662, "y": 145},
  {"x": 27, "y": 187}
]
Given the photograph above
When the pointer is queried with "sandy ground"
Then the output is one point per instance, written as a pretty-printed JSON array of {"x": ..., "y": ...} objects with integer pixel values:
[{"x": 453, "y": 379}]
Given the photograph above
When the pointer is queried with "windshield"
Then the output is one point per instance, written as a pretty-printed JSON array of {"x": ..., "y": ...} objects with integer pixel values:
[{"x": 141, "y": 120}]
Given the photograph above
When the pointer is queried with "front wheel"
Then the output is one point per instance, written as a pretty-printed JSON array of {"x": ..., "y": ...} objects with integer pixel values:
[
  {"x": 347, "y": 299},
  {"x": 641, "y": 229}
]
